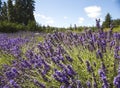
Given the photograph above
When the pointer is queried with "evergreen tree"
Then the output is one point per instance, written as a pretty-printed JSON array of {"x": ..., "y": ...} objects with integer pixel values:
[
  {"x": 0, "y": 9},
  {"x": 24, "y": 11},
  {"x": 30, "y": 7},
  {"x": 10, "y": 11},
  {"x": 107, "y": 22},
  {"x": 4, "y": 12},
  {"x": 19, "y": 12},
  {"x": 0, "y": 5}
]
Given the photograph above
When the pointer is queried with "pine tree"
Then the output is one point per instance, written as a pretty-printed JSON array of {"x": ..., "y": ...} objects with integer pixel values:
[
  {"x": 4, "y": 12},
  {"x": 107, "y": 22},
  {"x": 24, "y": 11},
  {"x": 19, "y": 12},
  {"x": 0, "y": 5},
  {"x": 10, "y": 11},
  {"x": 0, "y": 9},
  {"x": 30, "y": 7}
]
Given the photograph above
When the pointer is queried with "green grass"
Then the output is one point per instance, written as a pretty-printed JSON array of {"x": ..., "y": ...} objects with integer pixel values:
[
  {"x": 116, "y": 29},
  {"x": 40, "y": 38},
  {"x": 5, "y": 59}
]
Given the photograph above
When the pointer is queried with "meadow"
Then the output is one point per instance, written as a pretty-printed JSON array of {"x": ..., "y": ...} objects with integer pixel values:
[{"x": 67, "y": 59}]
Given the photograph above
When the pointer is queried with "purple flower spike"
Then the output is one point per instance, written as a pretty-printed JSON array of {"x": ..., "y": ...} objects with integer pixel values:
[
  {"x": 88, "y": 84},
  {"x": 89, "y": 68},
  {"x": 69, "y": 58},
  {"x": 116, "y": 81},
  {"x": 99, "y": 54},
  {"x": 40, "y": 85},
  {"x": 78, "y": 84},
  {"x": 71, "y": 70}
]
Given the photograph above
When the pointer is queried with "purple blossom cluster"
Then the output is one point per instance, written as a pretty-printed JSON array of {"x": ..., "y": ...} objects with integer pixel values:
[{"x": 11, "y": 45}]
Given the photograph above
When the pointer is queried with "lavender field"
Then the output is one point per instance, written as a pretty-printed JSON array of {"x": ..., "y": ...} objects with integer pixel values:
[
  {"x": 60, "y": 60},
  {"x": 59, "y": 44}
]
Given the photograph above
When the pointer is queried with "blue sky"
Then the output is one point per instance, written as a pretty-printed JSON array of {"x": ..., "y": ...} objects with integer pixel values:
[{"x": 62, "y": 13}]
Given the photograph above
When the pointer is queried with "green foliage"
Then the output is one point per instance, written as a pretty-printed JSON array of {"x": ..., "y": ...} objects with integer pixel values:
[
  {"x": 116, "y": 22},
  {"x": 5, "y": 58},
  {"x": 116, "y": 29},
  {"x": 93, "y": 29},
  {"x": 107, "y": 22},
  {"x": 6, "y": 26},
  {"x": 32, "y": 26}
]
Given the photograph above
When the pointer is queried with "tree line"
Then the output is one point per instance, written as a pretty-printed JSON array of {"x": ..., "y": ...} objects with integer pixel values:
[
  {"x": 18, "y": 15},
  {"x": 17, "y": 11}
]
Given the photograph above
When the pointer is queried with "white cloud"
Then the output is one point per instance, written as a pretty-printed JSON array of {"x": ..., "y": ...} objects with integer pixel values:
[
  {"x": 80, "y": 20},
  {"x": 93, "y": 11},
  {"x": 65, "y": 17},
  {"x": 48, "y": 20}
]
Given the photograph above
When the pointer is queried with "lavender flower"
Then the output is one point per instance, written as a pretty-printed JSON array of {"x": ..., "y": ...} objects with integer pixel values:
[
  {"x": 6, "y": 86},
  {"x": 71, "y": 70},
  {"x": 10, "y": 75},
  {"x": 98, "y": 23},
  {"x": 62, "y": 86},
  {"x": 103, "y": 78},
  {"x": 78, "y": 84},
  {"x": 116, "y": 80},
  {"x": 99, "y": 54},
  {"x": 69, "y": 58},
  {"x": 39, "y": 84},
  {"x": 116, "y": 52},
  {"x": 57, "y": 78},
  {"x": 25, "y": 64},
  {"x": 112, "y": 43},
  {"x": 14, "y": 84},
  {"x": 88, "y": 84},
  {"x": 89, "y": 68}
]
